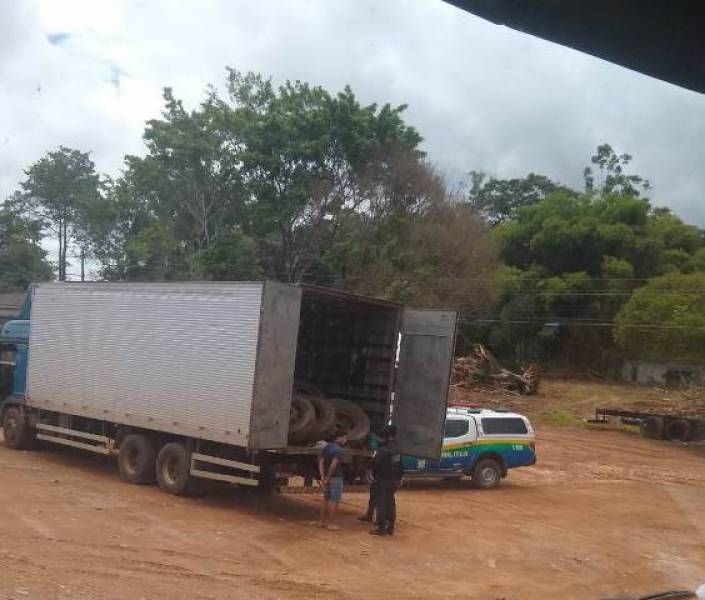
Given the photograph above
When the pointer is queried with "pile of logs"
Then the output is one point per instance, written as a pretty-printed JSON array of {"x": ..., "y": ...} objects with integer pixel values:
[{"x": 480, "y": 367}]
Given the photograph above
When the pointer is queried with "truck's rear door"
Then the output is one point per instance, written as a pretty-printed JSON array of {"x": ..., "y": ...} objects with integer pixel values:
[{"x": 423, "y": 378}]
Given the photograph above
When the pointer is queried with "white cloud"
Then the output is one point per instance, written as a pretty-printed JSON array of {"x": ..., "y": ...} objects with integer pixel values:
[{"x": 484, "y": 97}]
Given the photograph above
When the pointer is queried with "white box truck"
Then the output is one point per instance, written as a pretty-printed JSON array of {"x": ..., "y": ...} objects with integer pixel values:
[{"x": 195, "y": 380}]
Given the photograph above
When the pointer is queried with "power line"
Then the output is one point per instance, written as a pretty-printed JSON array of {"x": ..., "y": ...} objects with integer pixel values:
[
  {"x": 495, "y": 278},
  {"x": 547, "y": 321}
]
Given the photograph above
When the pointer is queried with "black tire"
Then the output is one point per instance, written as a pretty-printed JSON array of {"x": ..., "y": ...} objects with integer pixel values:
[
  {"x": 486, "y": 474},
  {"x": 652, "y": 427},
  {"x": 17, "y": 433},
  {"x": 301, "y": 417},
  {"x": 137, "y": 459},
  {"x": 678, "y": 430},
  {"x": 351, "y": 419},
  {"x": 324, "y": 424},
  {"x": 174, "y": 469}
]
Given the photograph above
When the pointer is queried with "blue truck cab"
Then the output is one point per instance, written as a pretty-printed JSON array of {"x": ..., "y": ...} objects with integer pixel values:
[
  {"x": 14, "y": 350},
  {"x": 14, "y": 340},
  {"x": 480, "y": 443}
]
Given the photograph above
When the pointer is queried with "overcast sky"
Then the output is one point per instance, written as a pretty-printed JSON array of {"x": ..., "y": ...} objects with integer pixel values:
[{"x": 87, "y": 74}]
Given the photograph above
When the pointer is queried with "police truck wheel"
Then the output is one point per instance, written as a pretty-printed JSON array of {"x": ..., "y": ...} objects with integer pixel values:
[
  {"x": 137, "y": 459},
  {"x": 17, "y": 433},
  {"x": 487, "y": 474},
  {"x": 173, "y": 469}
]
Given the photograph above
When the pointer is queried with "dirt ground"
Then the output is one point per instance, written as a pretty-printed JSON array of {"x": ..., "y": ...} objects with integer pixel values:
[{"x": 604, "y": 514}]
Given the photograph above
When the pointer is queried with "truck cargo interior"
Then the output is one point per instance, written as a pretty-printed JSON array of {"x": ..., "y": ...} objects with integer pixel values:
[{"x": 346, "y": 348}]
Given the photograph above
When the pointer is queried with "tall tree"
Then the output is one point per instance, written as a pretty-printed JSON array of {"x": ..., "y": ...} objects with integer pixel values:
[
  {"x": 281, "y": 168},
  {"x": 57, "y": 186},
  {"x": 311, "y": 160},
  {"x": 612, "y": 174}
]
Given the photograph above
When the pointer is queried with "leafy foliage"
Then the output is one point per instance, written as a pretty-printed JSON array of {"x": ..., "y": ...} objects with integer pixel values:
[
  {"x": 274, "y": 174},
  {"x": 22, "y": 260},
  {"x": 498, "y": 200},
  {"x": 577, "y": 257},
  {"x": 295, "y": 183},
  {"x": 665, "y": 319}
]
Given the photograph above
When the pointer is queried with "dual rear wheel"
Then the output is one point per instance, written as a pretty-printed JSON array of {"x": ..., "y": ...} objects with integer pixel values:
[{"x": 139, "y": 463}]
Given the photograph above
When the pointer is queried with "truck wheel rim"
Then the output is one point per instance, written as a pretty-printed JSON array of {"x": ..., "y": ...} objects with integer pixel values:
[
  {"x": 171, "y": 470},
  {"x": 133, "y": 460},
  {"x": 488, "y": 475}
]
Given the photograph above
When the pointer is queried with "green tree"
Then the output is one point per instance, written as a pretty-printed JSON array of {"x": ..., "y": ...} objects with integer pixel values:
[
  {"x": 497, "y": 200},
  {"x": 612, "y": 176},
  {"x": 286, "y": 168},
  {"x": 174, "y": 204},
  {"x": 311, "y": 161},
  {"x": 22, "y": 259},
  {"x": 665, "y": 319},
  {"x": 57, "y": 188},
  {"x": 587, "y": 253}
]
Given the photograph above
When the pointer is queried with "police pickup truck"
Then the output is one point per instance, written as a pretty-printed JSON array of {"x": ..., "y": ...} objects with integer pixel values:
[{"x": 480, "y": 443}]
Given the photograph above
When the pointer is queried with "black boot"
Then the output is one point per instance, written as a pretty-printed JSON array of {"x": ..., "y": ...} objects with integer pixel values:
[{"x": 382, "y": 528}]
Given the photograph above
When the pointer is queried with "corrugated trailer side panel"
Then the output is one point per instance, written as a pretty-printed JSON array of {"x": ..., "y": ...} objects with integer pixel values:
[{"x": 172, "y": 357}]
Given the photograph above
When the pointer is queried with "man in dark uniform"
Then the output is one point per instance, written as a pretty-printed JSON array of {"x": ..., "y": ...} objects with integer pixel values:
[
  {"x": 387, "y": 471},
  {"x": 374, "y": 442}
]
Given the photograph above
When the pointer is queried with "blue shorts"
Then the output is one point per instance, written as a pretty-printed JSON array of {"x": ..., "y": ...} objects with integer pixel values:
[{"x": 334, "y": 489}]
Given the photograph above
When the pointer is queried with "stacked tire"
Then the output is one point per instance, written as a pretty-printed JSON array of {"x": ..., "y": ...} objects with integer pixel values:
[{"x": 314, "y": 418}]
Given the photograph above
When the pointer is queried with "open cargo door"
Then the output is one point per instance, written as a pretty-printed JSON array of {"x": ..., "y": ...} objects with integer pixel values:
[
  {"x": 423, "y": 378},
  {"x": 274, "y": 374}
]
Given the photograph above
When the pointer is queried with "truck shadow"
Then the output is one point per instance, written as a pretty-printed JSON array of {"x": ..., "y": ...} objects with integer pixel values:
[
  {"x": 294, "y": 508},
  {"x": 463, "y": 485}
]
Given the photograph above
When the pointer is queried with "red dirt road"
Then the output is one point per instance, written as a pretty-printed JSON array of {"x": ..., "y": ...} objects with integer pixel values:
[{"x": 603, "y": 514}]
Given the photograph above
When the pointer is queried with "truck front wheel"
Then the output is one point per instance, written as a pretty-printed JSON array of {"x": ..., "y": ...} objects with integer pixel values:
[
  {"x": 173, "y": 469},
  {"x": 16, "y": 431},
  {"x": 137, "y": 459}
]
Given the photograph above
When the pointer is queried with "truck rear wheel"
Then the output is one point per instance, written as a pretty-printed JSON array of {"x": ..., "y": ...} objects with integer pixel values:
[
  {"x": 678, "y": 430},
  {"x": 174, "y": 469},
  {"x": 137, "y": 459},
  {"x": 487, "y": 474},
  {"x": 16, "y": 431}
]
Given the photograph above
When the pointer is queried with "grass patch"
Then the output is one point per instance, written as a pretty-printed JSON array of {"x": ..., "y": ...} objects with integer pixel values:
[{"x": 559, "y": 418}]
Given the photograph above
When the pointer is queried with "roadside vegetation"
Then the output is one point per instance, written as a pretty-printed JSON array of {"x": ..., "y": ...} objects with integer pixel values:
[{"x": 300, "y": 184}]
